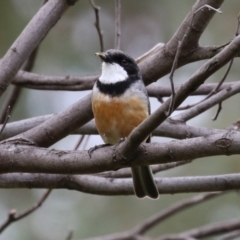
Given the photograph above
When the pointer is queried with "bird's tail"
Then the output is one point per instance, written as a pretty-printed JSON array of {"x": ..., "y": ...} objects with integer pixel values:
[{"x": 143, "y": 182}]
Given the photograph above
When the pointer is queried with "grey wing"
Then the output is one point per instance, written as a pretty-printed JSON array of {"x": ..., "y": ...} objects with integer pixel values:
[{"x": 139, "y": 88}]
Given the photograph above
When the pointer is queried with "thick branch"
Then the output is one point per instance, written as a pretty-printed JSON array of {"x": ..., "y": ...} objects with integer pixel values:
[
  {"x": 161, "y": 59},
  {"x": 199, "y": 23},
  {"x": 41, "y": 160},
  {"x": 28, "y": 40},
  {"x": 60, "y": 125}
]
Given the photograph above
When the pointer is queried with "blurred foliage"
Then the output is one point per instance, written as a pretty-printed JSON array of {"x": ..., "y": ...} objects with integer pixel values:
[{"x": 69, "y": 50}]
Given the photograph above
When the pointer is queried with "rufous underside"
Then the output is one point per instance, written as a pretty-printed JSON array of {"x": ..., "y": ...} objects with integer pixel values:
[{"x": 116, "y": 117}]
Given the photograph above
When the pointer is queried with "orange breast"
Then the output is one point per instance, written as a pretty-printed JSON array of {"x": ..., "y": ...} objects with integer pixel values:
[{"x": 116, "y": 117}]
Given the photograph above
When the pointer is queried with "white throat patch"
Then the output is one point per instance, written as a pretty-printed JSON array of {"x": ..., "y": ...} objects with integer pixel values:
[{"x": 112, "y": 73}]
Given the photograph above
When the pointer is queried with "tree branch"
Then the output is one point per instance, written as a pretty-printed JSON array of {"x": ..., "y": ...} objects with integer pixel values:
[
  {"x": 43, "y": 82},
  {"x": 117, "y": 24},
  {"x": 169, "y": 128},
  {"x": 126, "y": 172},
  {"x": 140, "y": 133},
  {"x": 208, "y": 103},
  {"x": 119, "y": 186},
  {"x": 165, "y": 54},
  {"x": 41, "y": 160},
  {"x": 97, "y": 24},
  {"x": 172, "y": 210},
  {"x": 12, "y": 217},
  {"x": 70, "y": 83},
  {"x": 29, "y": 39},
  {"x": 206, "y": 231},
  {"x": 57, "y": 126}
]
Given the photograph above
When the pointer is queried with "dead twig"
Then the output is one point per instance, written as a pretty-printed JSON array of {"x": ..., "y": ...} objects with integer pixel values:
[
  {"x": 7, "y": 116},
  {"x": 218, "y": 111},
  {"x": 216, "y": 89},
  {"x": 172, "y": 210},
  {"x": 12, "y": 217},
  {"x": 97, "y": 24},
  {"x": 79, "y": 142},
  {"x": 117, "y": 24},
  {"x": 206, "y": 231},
  {"x": 174, "y": 66},
  {"x": 126, "y": 173}
]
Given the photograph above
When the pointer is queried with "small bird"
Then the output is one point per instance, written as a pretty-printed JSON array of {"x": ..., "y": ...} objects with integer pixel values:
[{"x": 120, "y": 103}]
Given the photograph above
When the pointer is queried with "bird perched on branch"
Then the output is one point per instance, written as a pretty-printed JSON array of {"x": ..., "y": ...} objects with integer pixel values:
[{"x": 120, "y": 103}]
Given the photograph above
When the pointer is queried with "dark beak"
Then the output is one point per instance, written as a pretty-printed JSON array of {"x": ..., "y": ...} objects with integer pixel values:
[{"x": 101, "y": 55}]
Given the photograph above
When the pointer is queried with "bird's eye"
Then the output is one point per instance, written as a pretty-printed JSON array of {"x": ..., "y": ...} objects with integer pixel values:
[{"x": 124, "y": 62}]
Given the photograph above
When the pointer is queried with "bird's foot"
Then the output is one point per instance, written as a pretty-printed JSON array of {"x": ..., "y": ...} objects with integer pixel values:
[{"x": 91, "y": 150}]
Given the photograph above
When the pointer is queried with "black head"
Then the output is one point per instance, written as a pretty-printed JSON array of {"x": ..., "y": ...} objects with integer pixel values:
[{"x": 125, "y": 61}]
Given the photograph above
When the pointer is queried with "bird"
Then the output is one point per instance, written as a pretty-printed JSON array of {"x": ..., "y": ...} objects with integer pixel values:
[{"x": 120, "y": 103}]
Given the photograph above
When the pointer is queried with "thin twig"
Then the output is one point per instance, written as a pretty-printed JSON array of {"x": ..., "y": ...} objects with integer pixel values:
[
  {"x": 117, "y": 24},
  {"x": 172, "y": 210},
  {"x": 79, "y": 142},
  {"x": 179, "y": 48},
  {"x": 218, "y": 111},
  {"x": 174, "y": 66},
  {"x": 86, "y": 142},
  {"x": 12, "y": 217},
  {"x": 209, "y": 7},
  {"x": 126, "y": 173},
  {"x": 7, "y": 116},
  {"x": 216, "y": 89},
  {"x": 97, "y": 24},
  {"x": 208, "y": 103},
  {"x": 11, "y": 99},
  {"x": 206, "y": 231},
  {"x": 225, "y": 75}
]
